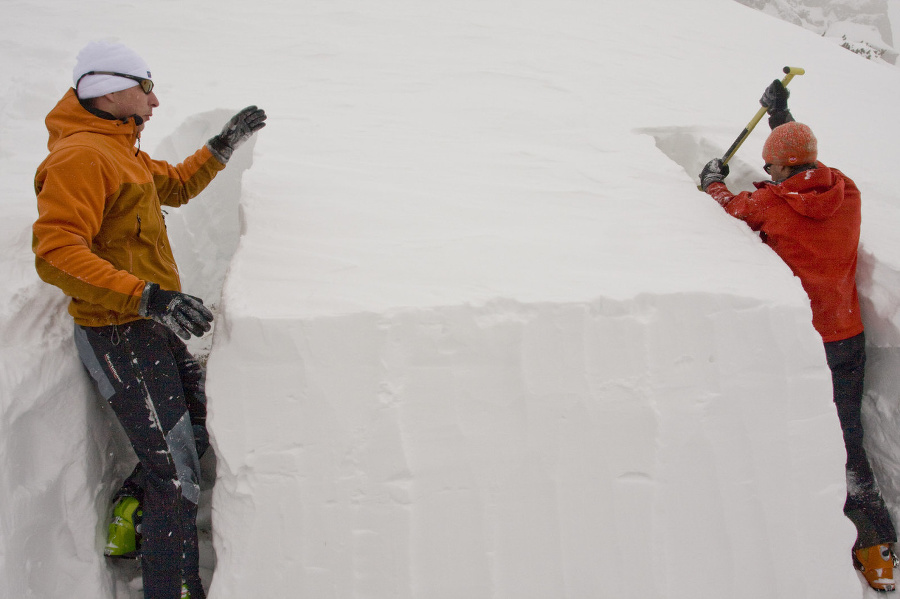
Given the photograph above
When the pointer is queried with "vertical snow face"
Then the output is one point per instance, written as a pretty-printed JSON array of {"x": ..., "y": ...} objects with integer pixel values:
[
  {"x": 665, "y": 446},
  {"x": 879, "y": 285},
  {"x": 55, "y": 447}
]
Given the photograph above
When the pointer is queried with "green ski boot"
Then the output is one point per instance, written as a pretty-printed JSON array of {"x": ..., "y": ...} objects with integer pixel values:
[{"x": 124, "y": 537}]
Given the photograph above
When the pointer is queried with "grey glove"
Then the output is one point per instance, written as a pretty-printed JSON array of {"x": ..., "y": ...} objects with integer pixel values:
[
  {"x": 183, "y": 314},
  {"x": 237, "y": 131},
  {"x": 715, "y": 171},
  {"x": 775, "y": 100}
]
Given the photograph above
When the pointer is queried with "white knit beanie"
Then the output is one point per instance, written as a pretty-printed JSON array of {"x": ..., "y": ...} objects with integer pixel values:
[{"x": 107, "y": 56}]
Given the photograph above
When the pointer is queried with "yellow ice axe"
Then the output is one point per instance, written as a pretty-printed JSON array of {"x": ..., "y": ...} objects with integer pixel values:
[{"x": 789, "y": 74}]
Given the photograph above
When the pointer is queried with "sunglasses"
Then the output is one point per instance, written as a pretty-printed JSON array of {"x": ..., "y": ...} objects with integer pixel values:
[
  {"x": 768, "y": 168},
  {"x": 146, "y": 84}
]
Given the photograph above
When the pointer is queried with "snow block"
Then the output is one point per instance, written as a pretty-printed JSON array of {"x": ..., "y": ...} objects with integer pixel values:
[{"x": 601, "y": 449}]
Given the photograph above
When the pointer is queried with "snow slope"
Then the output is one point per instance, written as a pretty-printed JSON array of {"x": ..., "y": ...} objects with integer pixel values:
[
  {"x": 867, "y": 27},
  {"x": 478, "y": 333}
]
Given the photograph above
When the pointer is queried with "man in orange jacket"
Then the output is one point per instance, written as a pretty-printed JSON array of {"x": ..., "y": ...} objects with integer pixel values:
[
  {"x": 809, "y": 214},
  {"x": 100, "y": 237}
]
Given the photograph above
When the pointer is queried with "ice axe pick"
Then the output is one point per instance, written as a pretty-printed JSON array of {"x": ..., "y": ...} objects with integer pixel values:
[{"x": 789, "y": 73}]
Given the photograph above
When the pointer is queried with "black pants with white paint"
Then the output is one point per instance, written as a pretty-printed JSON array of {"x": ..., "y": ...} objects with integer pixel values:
[
  {"x": 156, "y": 389},
  {"x": 864, "y": 505}
]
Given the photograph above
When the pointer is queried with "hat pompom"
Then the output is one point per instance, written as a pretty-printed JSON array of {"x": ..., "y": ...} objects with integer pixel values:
[
  {"x": 107, "y": 56},
  {"x": 791, "y": 144}
]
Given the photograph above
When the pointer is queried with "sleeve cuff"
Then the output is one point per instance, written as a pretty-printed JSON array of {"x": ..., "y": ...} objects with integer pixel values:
[{"x": 149, "y": 288}]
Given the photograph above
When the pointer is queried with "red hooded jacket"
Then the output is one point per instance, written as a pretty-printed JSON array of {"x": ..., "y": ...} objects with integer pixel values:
[{"x": 812, "y": 222}]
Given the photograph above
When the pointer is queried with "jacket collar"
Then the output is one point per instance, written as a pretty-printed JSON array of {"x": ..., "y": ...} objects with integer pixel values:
[{"x": 71, "y": 116}]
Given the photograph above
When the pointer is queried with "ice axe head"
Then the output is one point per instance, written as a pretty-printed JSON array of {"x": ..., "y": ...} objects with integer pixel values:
[{"x": 790, "y": 72}]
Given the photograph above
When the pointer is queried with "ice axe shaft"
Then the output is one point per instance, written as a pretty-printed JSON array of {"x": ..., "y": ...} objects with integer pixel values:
[{"x": 789, "y": 74}]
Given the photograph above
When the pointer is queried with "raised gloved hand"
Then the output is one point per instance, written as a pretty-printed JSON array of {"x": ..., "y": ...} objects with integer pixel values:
[
  {"x": 183, "y": 314},
  {"x": 715, "y": 171},
  {"x": 237, "y": 131},
  {"x": 775, "y": 101},
  {"x": 775, "y": 97}
]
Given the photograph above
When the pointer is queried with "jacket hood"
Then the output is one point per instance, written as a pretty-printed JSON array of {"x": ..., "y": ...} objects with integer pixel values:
[
  {"x": 69, "y": 117},
  {"x": 817, "y": 193}
]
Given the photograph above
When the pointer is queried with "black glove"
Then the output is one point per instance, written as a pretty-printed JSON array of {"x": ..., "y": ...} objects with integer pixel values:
[
  {"x": 237, "y": 131},
  {"x": 715, "y": 171},
  {"x": 183, "y": 314},
  {"x": 775, "y": 98}
]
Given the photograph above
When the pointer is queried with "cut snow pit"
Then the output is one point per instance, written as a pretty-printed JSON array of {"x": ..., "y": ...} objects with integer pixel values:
[
  {"x": 692, "y": 147},
  {"x": 879, "y": 288},
  {"x": 204, "y": 236}
]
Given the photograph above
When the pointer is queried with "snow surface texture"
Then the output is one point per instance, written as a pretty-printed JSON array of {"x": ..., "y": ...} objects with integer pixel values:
[{"x": 478, "y": 333}]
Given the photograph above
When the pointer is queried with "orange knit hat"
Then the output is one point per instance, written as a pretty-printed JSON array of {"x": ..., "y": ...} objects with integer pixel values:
[{"x": 790, "y": 144}]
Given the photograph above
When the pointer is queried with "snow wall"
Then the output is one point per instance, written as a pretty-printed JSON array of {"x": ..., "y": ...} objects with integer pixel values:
[
  {"x": 479, "y": 334},
  {"x": 597, "y": 449}
]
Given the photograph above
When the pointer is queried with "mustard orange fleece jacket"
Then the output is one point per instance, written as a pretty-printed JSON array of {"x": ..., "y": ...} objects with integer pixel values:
[{"x": 100, "y": 235}]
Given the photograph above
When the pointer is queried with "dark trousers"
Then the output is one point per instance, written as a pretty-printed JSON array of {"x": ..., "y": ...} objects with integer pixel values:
[
  {"x": 864, "y": 505},
  {"x": 156, "y": 389}
]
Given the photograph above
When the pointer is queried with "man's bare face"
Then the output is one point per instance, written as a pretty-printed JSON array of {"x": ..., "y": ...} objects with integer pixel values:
[{"x": 123, "y": 104}]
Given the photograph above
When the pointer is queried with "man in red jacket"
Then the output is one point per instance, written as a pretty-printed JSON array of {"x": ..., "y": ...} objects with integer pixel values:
[{"x": 810, "y": 215}]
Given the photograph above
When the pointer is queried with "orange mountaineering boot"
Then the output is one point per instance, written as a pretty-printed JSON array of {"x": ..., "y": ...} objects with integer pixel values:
[{"x": 877, "y": 565}]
